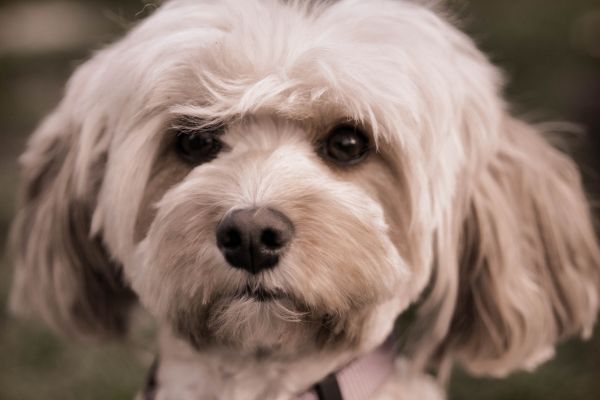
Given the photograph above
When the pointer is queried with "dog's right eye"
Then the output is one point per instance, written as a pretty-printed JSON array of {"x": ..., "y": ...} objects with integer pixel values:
[{"x": 198, "y": 147}]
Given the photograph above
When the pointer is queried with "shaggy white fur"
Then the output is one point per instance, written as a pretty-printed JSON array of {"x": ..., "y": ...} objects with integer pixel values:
[{"x": 449, "y": 192}]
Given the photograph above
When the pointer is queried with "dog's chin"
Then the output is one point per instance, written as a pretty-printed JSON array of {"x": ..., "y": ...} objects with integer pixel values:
[{"x": 261, "y": 322}]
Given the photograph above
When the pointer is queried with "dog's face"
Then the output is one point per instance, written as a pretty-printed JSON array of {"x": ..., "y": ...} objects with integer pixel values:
[
  {"x": 280, "y": 177},
  {"x": 266, "y": 233}
]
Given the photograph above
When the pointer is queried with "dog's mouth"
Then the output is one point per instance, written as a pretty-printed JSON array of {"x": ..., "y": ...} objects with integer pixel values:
[{"x": 260, "y": 294}]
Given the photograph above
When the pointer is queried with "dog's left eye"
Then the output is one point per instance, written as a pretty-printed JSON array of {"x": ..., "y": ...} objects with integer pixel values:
[
  {"x": 346, "y": 145},
  {"x": 199, "y": 146}
]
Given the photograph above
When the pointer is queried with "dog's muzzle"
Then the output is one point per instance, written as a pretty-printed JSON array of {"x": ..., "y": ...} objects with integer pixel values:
[{"x": 254, "y": 239}]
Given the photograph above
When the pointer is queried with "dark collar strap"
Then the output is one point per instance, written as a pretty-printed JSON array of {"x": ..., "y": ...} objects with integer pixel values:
[
  {"x": 328, "y": 388},
  {"x": 151, "y": 384}
]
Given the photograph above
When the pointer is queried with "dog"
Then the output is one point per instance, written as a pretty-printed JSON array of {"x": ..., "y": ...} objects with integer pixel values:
[{"x": 324, "y": 199}]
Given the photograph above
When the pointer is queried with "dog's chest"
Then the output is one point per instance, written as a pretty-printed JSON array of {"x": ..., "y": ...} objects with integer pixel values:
[
  {"x": 177, "y": 380},
  {"x": 217, "y": 378}
]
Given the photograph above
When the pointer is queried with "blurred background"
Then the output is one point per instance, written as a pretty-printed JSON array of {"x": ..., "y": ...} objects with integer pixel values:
[{"x": 550, "y": 51}]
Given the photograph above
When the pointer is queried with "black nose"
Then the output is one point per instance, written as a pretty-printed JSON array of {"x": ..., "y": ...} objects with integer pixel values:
[{"x": 254, "y": 239}]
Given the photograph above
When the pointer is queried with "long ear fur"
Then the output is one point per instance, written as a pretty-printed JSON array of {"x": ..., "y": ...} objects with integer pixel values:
[
  {"x": 63, "y": 274},
  {"x": 529, "y": 263}
]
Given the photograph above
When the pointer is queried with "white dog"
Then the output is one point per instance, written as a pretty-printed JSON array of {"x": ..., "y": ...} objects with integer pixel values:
[{"x": 277, "y": 182}]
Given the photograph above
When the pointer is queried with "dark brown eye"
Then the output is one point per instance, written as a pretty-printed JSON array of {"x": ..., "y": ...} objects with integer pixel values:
[
  {"x": 346, "y": 145},
  {"x": 199, "y": 146}
]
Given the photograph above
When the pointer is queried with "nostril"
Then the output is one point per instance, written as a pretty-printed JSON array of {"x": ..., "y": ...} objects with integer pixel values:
[
  {"x": 230, "y": 239},
  {"x": 271, "y": 239}
]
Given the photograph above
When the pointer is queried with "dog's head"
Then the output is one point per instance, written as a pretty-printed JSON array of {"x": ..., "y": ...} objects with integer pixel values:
[{"x": 271, "y": 175}]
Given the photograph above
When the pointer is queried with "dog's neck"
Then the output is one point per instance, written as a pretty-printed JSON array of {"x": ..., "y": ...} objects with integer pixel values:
[{"x": 184, "y": 373}]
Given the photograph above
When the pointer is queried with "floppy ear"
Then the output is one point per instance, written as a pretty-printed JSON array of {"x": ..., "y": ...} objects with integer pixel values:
[
  {"x": 63, "y": 274},
  {"x": 529, "y": 263}
]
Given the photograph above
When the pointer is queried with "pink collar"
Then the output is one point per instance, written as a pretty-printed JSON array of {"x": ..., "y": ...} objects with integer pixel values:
[{"x": 358, "y": 380}]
